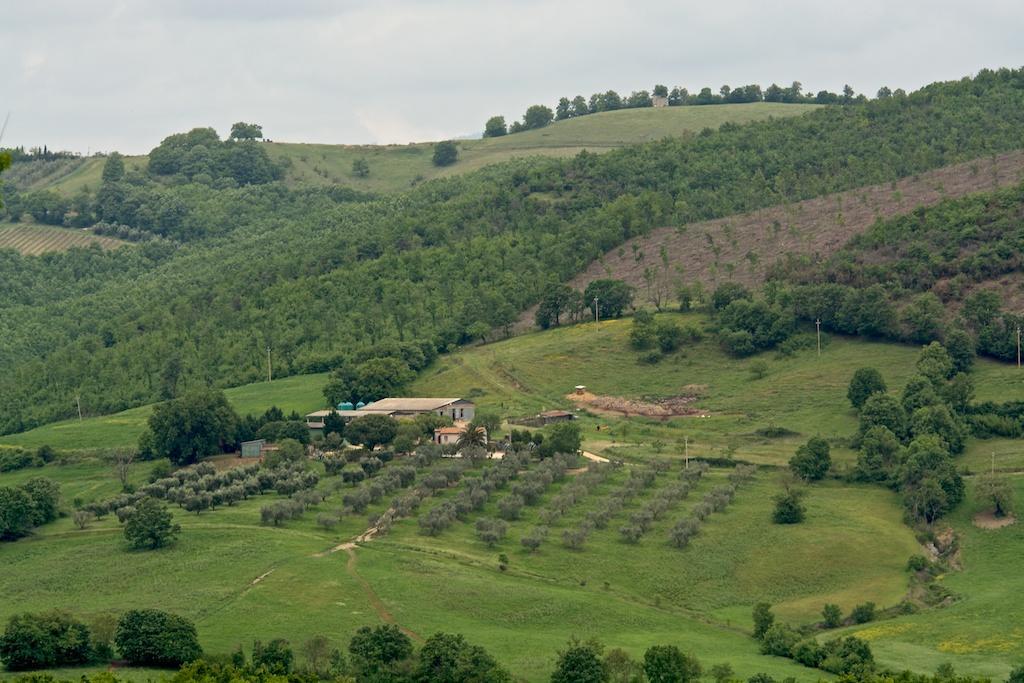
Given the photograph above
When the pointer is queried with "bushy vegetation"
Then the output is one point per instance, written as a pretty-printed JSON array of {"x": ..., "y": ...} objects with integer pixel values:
[{"x": 351, "y": 274}]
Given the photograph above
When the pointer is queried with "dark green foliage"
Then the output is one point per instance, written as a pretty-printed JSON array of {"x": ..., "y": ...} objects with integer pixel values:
[
  {"x": 41, "y": 641},
  {"x": 186, "y": 429},
  {"x": 360, "y": 168},
  {"x": 1017, "y": 675},
  {"x": 334, "y": 424},
  {"x": 728, "y": 292},
  {"x": 561, "y": 437},
  {"x": 446, "y": 153},
  {"x": 865, "y": 382},
  {"x": 779, "y": 640},
  {"x": 537, "y": 116},
  {"x": 788, "y": 508},
  {"x": 378, "y": 650},
  {"x": 25, "y": 507},
  {"x": 763, "y": 619},
  {"x": 751, "y": 326},
  {"x": 863, "y": 613},
  {"x": 579, "y": 663},
  {"x": 882, "y": 410},
  {"x": 276, "y": 656},
  {"x": 371, "y": 379},
  {"x": 188, "y": 317},
  {"x": 201, "y": 156},
  {"x": 961, "y": 347},
  {"x": 150, "y": 526},
  {"x": 372, "y": 430},
  {"x": 113, "y": 168},
  {"x": 246, "y": 131},
  {"x": 831, "y": 616},
  {"x": 812, "y": 460},
  {"x": 929, "y": 480},
  {"x": 495, "y": 127},
  {"x": 666, "y": 664},
  {"x": 149, "y": 637},
  {"x": 613, "y": 297},
  {"x": 449, "y": 658},
  {"x": 849, "y": 655}
]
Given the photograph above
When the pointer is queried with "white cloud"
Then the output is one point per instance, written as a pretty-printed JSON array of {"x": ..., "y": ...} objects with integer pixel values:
[{"x": 116, "y": 74}]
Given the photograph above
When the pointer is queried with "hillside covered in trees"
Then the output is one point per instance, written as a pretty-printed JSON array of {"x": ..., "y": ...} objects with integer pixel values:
[{"x": 232, "y": 262}]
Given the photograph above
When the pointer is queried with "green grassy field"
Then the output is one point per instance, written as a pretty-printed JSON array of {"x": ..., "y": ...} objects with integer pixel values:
[
  {"x": 802, "y": 393},
  {"x": 853, "y": 548},
  {"x": 303, "y": 393},
  {"x": 31, "y": 239},
  {"x": 397, "y": 167}
]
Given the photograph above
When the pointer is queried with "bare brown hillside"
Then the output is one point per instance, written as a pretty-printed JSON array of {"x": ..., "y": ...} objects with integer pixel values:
[{"x": 742, "y": 247}]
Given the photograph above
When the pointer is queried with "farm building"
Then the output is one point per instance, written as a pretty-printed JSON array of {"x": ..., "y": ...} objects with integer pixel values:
[
  {"x": 549, "y": 416},
  {"x": 659, "y": 101},
  {"x": 447, "y": 435},
  {"x": 457, "y": 409},
  {"x": 256, "y": 448}
]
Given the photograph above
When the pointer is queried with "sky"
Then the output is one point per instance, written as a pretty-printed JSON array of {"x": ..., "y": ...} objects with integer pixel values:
[{"x": 104, "y": 75}]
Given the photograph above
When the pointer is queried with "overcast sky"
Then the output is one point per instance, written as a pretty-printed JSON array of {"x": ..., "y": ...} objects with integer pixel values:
[{"x": 103, "y": 75}]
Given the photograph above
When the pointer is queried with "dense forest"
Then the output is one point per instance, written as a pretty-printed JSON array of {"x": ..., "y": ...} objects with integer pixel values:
[{"x": 323, "y": 275}]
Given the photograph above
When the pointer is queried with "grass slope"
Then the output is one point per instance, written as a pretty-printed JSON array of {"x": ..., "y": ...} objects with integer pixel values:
[
  {"x": 397, "y": 167},
  {"x": 32, "y": 240},
  {"x": 852, "y": 548},
  {"x": 803, "y": 393},
  {"x": 302, "y": 393}
]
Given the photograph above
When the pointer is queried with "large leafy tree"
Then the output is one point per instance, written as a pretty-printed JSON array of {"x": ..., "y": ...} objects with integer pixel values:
[
  {"x": 446, "y": 153},
  {"x": 812, "y": 460},
  {"x": 246, "y": 131},
  {"x": 865, "y": 381},
  {"x": 149, "y": 637},
  {"x": 372, "y": 430},
  {"x": 579, "y": 663},
  {"x": 151, "y": 526},
  {"x": 40, "y": 641},
  {"x": 495, "y": 127},
  {"x": 374, "y": 651},
  {"x": 667, "y": 664},
  {"x": 186, "y": 429},
  {"x": 448, "y": 657}
]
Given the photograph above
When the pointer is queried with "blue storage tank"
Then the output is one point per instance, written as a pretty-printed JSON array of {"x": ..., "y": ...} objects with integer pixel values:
[
  {"x": 345, "y": 406},
  {"x": 360, "y": 405}
]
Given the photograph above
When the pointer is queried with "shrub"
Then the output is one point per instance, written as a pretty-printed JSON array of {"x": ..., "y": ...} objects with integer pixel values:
[
  {"x": 812, "y": 460},
  {"x": 779, "y": 640},
  {"x": 149, "y": 637},
  {"x": 788, "y": 508},
  {"x": 831, "y": 615},
  {"x": 865, "y": 382},
  {"x": 763, "y": 619},
  {"x": 276, "y": 656},
  {"x": 40, "y": 641},
  {"x": 863, "y": 613}
]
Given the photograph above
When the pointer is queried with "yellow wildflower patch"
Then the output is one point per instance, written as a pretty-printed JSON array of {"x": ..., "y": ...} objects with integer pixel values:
[{"x": 881, "y": 631}]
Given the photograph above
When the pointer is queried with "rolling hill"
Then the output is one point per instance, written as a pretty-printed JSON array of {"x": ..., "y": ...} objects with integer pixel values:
[
  {"x": 234, "y": 575},
  {"x": 398, "y": 167}
]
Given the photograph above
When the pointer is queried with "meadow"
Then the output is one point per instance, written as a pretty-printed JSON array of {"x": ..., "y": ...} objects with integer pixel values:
[
  {"x": 397, "y": 167},
  {"x": 31, "y": 239},
  {"x": 302, "y": 393},
  {"x": 241, "y": 580}
]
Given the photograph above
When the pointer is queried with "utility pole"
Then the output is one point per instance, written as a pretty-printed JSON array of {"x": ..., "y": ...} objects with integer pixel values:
[
  {"x": 78, "y": 400},
  {"x": 270, "y": 374},
  {"x": 817, "y": 323},
  {"x": 597, "y": 314},
  {"x": 686, "y": 452}
]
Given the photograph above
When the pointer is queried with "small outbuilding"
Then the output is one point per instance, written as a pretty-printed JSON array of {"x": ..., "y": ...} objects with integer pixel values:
[
  {"x": 549, "y": 416},
  {"x": 252, "y": 449}
]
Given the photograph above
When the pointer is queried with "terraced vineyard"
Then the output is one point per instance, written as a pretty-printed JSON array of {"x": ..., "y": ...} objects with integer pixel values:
[{"x": 33, "y": 240}]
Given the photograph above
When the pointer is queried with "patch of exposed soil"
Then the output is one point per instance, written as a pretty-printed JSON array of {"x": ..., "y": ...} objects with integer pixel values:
[
  {"x": 988, "y": 520},
  {"x": 741, "y": 248},
  {"x": 229, "y": 461},
  {"x": 672, "y": 406}
]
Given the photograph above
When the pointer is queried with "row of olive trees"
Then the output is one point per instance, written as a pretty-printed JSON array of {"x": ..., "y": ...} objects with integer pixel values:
[{"x": 716, "y": 500}]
